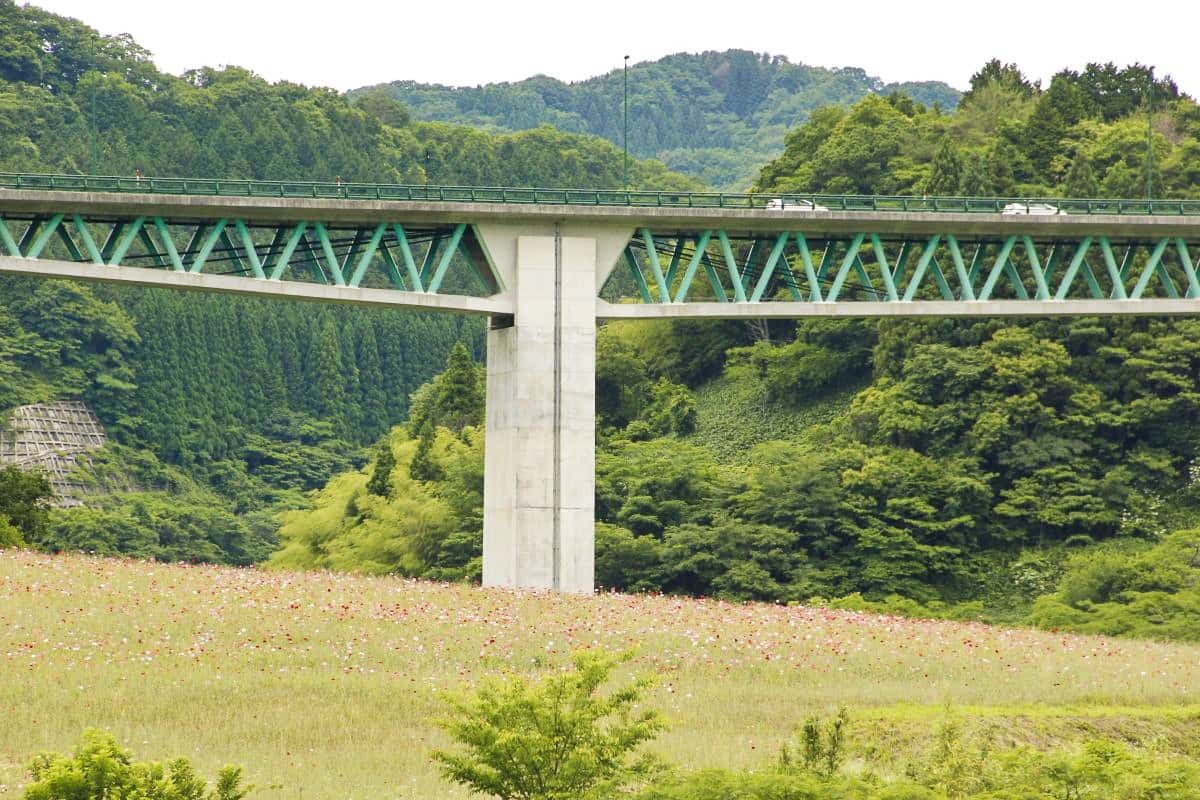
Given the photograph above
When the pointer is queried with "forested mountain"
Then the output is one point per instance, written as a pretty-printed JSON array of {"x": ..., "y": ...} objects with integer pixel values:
[
  {"x": 74, "y": 101},
  {"x": 1085, "y": 135},
  {"x": 714, "y": 115},
  {"x": 224, "y": 409}
]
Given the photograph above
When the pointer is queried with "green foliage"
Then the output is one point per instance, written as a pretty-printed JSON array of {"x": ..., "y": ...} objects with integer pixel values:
[
  {"x": 647, "y": 486},
  {"x": 423, "y": 527},
  {"x": 683, "y": 351},
  {"x": 1154, "y": 592},
  {"x": 713, "y": 115},
  {"x": 156, "y": 526},
  {"x": 1083, "y": 136},
  {"x": 23, "y": 499},
  {"x": 101, "y": 768},
  {"x": 424, "y": 466},
  {"x": 562, "y": 738},
  {"x": 671, "y": 409},
  {"x": 759, "y": 420},
  {"x": 455, "y": 398},
  {"x": 384, "y": 108},
  {"x": 820, "y": 749},
  {"x": 628, "y": 397},
  {"x": 822, "y": 357},
  {"x": 10, "y": 535},
  {"x": 954, "y": 766},
  {"x": 74, "y": 343},
  {"x": 380, "y": 483}
]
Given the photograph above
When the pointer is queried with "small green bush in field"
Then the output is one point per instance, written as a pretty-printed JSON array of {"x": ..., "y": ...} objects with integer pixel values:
[
  {"x": 101, "y": 768},
  {"x": 9, "y": 535},
  {"x": 559, "y": 739},
  {"x": 820, "y": 749}
]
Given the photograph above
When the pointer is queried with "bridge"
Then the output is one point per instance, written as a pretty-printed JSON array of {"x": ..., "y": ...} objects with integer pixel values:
[{"x": 545, "y": 265}]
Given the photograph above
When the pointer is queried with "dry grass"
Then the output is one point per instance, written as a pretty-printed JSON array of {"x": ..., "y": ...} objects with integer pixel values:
[{"x": 326, "y": 686}]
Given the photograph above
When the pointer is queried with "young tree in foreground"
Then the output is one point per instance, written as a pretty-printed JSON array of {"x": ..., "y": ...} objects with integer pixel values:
[{"x": 555, "y": 739}]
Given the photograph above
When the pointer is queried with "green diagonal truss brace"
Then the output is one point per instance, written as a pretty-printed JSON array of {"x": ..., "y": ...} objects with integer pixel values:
[
  {"x": 802, "y": 267},
  {"x": 384, "y": 255}
]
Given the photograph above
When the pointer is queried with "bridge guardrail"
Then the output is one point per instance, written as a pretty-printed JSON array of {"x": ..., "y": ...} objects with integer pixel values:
[{"x": 583, "y": 197}]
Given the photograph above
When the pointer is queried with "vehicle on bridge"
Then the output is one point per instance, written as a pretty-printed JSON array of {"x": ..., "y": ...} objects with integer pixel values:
[
  {"x": 1033, "y": 209},
  {"x": 787, "y": 204}
]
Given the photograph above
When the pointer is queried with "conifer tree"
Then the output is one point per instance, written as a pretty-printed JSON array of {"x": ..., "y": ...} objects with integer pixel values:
[
  {"x": 372, "y": 401},
  {"x": 947, "y": 171},
  {"x": 290, "y": 359},
  {"x": 254, "y": 369},
  {"x": 381, "y": 477},
  {"x": 424, "y": 467},
  {"x": 327, "y": 374},
  {"x": 460, "y": 396},
  {"x": 1081, "y": 178},
  {"x": 351, "y": 410}
]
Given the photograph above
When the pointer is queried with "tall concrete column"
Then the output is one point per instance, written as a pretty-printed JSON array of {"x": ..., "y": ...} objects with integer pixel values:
[{"x": 539, "y": 475}]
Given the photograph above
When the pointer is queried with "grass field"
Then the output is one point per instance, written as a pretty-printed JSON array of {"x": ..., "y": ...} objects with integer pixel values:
[{"x": 326, "y": 686}]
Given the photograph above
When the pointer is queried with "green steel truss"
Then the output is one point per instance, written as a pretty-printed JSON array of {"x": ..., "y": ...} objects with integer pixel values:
[
  {"x": 447, "y": 259},
  {"x": 713, "y": 265}
]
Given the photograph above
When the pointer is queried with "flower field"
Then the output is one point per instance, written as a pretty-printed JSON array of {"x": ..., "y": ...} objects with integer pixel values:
[{"x": 327, "y": 685}]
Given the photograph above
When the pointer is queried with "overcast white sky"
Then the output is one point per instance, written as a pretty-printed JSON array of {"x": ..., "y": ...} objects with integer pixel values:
[{"x": 350, "y": 43}]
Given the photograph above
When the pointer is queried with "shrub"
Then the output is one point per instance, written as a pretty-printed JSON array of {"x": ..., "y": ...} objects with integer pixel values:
[
  {"x": 559, "y": 739},
  {"x": 100, "y": 768}
]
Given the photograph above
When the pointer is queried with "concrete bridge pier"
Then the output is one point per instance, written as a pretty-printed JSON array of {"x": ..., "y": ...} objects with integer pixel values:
[{"x": 539, "y": 463}]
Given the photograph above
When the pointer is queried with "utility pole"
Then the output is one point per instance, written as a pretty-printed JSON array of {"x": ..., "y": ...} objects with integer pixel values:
[
  {"x": 625, "y": 139},
  {"x": 92, "y": 114},
  {"x": 1150, "y": 135}
]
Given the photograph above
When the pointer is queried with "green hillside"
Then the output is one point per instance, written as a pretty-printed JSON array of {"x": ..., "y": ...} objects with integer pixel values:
[{"x": 716, "y": 116}]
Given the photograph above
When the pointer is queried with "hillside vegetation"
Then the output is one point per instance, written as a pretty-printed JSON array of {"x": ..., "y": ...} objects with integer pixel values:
[
  {"x": 79, "y": 102},
  {"x": 716, "y": 116}
]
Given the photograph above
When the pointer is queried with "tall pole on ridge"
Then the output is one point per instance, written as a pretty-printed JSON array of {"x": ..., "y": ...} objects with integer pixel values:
[
  {"x": 92, "y": 114},
  {"x": 625, "y": 139},
  {"x": 1150, "y": 135}
]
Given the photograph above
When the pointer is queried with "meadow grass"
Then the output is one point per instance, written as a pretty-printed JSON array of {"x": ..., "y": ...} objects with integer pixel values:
[{"x": 328, "y": 685}]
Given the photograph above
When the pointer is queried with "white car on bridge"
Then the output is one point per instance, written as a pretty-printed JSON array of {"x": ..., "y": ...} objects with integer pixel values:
[
  {"x": 1033, "y": 209},
  {"x": 788, "y": 204}
]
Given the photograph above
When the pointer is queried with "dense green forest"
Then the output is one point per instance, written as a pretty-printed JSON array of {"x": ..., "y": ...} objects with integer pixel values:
[
  {"x": 1085, "y": 135},
  {"x": 716, "y": 115},
  {"x": 75, "y": 101}
]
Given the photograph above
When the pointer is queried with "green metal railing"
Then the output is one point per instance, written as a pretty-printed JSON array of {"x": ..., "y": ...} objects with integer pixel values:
[{"x": 581, "y": 197}]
